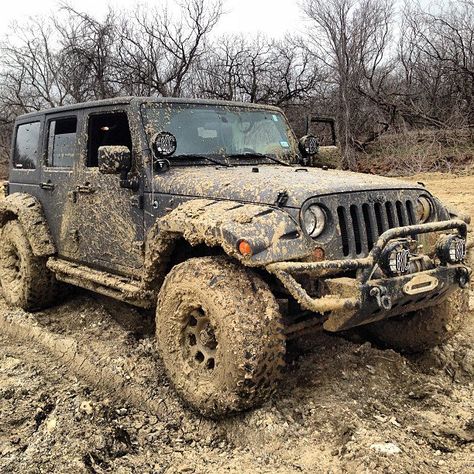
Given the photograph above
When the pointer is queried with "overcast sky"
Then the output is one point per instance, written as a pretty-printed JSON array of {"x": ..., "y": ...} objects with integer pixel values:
[{"x": 272, "y": 17}]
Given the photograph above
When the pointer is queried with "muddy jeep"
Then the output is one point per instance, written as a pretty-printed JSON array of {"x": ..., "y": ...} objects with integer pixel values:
[{"x": 205, "y": 211}]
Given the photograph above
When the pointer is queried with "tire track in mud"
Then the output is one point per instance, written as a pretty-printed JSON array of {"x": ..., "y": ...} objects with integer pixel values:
[
  {"x": 125, "y": 380},
  {"x": 135, "y": 379},
  {"x": 322, "y": 416}
]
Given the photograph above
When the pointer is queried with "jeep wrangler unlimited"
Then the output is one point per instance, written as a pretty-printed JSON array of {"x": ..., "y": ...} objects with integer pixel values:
[{"x": 208, "y": 211}]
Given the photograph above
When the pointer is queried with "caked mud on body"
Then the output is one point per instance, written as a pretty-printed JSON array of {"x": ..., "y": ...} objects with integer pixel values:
[{"x": 210, "y": 212}]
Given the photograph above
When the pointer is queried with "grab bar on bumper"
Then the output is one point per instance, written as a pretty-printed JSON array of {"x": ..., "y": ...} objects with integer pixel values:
[
  {"x": 284, "y": 271},
  {"x": 399, "y": 232}
]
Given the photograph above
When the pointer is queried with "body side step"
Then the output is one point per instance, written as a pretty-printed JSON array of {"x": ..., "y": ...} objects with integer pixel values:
[{"x": 117, "y": 287}]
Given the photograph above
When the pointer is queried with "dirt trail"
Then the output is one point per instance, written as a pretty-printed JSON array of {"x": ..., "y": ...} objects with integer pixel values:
[{"x": 343, "y": 406}]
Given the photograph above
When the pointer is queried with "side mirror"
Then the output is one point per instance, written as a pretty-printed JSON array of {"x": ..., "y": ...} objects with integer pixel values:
[
  {"x": 309, "y": 146},
  {"x": 114, "y": 159}
]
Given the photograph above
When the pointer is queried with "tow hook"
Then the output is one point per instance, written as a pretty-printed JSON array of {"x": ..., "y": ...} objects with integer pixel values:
[
  {"x": 380, "y": 294},
  {"x": 464, "y": 277}
]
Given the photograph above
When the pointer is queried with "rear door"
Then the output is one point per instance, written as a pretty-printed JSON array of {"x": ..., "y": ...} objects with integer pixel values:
[{"x": 60, "y": 161}]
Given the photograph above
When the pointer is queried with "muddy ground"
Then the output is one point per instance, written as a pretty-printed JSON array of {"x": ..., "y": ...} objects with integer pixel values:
[{"x": 344, "y": 406}]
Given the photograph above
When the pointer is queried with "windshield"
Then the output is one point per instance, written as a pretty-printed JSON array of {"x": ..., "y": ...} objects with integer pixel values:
[{"x": 236, "y": 133}]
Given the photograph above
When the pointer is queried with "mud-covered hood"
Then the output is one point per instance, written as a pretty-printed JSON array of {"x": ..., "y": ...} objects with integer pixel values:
[{"x": 244, "y": 183}]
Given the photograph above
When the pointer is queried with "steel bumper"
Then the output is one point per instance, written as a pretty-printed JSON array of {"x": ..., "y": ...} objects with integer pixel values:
[{"x": 351, "y": 302}]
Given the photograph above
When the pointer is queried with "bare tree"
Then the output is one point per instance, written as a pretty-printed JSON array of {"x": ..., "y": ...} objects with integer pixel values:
[
  {"x": 32, "y": 70},
  {"x": 256, "y": 70},
  {"x": 86, "y": 53},
  {"x": 157, "y": 51},
  {"x": 439, "y": 62},
  {"x": 218, "y": 73},
  {"x": 349, "y": 37}
]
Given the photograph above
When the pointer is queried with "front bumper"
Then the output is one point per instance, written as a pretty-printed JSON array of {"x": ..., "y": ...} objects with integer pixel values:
[{"x": 350, "y": 302}]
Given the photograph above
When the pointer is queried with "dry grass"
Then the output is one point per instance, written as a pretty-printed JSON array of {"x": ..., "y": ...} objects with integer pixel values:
[{"x": 421, "y": 151}]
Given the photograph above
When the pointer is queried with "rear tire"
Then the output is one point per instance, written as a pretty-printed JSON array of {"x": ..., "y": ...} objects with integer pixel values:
[
  {"x": 25, "y": 280},
  {"x": 422, "y": 330},
  {"x": 219, "y": 334}
]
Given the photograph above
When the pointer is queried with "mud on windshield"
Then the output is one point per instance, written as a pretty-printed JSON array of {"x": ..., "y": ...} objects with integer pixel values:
[{"x": 236, "y": 135}]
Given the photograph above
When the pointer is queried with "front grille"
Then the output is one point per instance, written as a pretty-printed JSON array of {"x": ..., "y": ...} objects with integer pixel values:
[{"x": 361, "y": 224}]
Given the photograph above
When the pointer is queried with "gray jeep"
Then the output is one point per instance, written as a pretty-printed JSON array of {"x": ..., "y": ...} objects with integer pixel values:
[{"x": 209, "y": 212}]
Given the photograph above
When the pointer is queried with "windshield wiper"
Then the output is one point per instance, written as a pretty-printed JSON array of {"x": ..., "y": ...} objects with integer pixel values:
[
  {"x": 201, "y": 157},
  {"x": 254, "y": 154}
]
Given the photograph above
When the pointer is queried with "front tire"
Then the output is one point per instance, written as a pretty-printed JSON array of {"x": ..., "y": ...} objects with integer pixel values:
[
  {"x": 219, "y": 334},
  {"x": 424, "y": 329},
  {"x": 25, "y": 280}
]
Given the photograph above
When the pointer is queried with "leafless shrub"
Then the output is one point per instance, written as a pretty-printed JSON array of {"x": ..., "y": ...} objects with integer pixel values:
[{"x": 427, "y": 150}]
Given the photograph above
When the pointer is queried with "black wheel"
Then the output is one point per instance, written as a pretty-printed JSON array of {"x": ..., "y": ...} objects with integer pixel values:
[
  {"x": 422, "y": 330},
  {"x": 25, "y": 280},
  {"x": 219, "y": 333}
]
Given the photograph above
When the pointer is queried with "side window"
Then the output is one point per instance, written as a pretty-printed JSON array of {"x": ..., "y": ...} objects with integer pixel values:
[
  {"x": 110, "y": 129},
  {"x": 25, "y": 154},
  {"x": 62, "y": 143}
]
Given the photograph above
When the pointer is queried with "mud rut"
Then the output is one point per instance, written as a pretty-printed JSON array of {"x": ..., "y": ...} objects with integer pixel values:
[{"x": 82, "y": 390}]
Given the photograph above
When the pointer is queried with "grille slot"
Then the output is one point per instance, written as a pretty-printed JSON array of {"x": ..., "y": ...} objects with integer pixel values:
[
  {"x": 341, "y": 213},
  {"x": 361, "y": 224},
  {"x": 356, "y": 228}
]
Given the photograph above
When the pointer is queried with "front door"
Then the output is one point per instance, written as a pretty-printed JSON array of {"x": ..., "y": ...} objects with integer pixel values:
[{"x": 108, "y": 217}]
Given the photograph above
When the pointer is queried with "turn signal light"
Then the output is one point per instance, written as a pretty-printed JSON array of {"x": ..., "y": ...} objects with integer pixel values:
[
  {"x": 318, "y": 255},
  {"x": 244, "y": 248}
]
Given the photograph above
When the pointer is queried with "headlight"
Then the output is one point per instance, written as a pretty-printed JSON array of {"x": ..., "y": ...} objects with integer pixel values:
[
  {"x": 314, "y": 220},
  {"x": 423, "y": 209}
]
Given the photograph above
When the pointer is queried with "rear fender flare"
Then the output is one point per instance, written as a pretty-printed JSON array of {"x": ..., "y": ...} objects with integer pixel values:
[{"x": 29, "y": 213}]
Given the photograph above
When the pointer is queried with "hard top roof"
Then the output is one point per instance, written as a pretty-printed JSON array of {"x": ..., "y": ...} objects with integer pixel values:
[{"x": 142, "y": 100}]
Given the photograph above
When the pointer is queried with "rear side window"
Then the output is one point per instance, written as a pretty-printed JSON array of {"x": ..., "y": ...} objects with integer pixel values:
[
  {"x": 25, "y": 154},
  {"x": 62, "y": 143}
]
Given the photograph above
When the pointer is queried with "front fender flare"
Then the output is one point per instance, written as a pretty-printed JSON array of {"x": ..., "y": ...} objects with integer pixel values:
[
  {"x": 29, "y": 212},
  {"x": 272, "y": 233}
]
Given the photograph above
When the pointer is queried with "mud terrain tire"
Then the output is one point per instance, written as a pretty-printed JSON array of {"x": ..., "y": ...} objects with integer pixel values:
[
  {"x": 25, "y": 280},
  {"x": 219, "y": 334},
  {"x": 422, "y": 330}
]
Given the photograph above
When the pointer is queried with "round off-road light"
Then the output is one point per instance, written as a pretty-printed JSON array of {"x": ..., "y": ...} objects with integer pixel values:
[
  {"x": 164, "y": 144},
  {"x": 309, "y": 145},
  {"x": 314, "y": 220},
  {"x": 423, "y": 209},
  {"x": 451, "y": 249},
  {"x": 395, "y": 259}
]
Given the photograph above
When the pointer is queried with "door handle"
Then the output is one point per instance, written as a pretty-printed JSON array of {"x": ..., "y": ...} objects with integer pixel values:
[
  {"x": 85, "y": 188},
  {"x": 49, "y": 186}
]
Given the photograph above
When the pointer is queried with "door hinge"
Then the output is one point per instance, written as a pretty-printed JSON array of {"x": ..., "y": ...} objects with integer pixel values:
[{"x": 138, "y": 201}]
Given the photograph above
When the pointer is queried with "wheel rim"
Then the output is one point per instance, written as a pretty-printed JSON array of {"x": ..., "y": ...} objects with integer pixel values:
[
  {"x": 12, "y": 268},
  {"x": 200, "y": 342}
]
